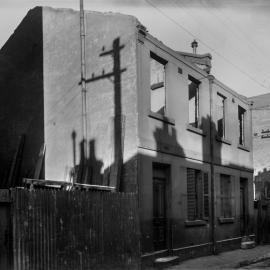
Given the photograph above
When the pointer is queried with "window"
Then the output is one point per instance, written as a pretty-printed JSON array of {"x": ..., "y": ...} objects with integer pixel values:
[
  {"x": 197, "y": 195},
  {"x": 157, "y": 79},
  {"x": 193, "y": 96},
  {"x": 220, "y": 115},
  {"x": 225, "y": 196},
  {"x": 241, "y": 121}
]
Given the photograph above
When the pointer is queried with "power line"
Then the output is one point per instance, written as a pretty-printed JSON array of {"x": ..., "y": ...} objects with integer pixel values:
[
  {"x": 228, "y": 28},
  {"x": 177, "y": 4},
  {"x": 227, "y": 21},
  {"x": 206, "y": 45},
  {"x": 64, "y": 99},
  {"x": 57, "y": 113}
]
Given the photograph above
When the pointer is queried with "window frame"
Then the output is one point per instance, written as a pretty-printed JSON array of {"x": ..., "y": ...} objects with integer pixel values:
[
  {"x": 228, "y": 197},
  {"x": 197, "y": 122},
  {"x": 241, "y": 127},
  {"x": 155, "y": 86},
  {"x": 199, "y": 197},
  {"x": 224, "y": 101}
]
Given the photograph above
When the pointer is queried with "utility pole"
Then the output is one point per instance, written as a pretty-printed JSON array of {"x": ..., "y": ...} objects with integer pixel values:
[{"x": 83, "y": 81}]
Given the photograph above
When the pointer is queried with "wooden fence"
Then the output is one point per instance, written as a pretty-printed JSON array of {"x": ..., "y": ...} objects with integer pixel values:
[
  {"x": 64, "y": 230},
  {"x": 262, "y": 215}
]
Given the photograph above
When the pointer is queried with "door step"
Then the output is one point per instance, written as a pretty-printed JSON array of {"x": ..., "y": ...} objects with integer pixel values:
[
  {"x": 247, "y": 243},
  {"x": 166, "y": 261}
]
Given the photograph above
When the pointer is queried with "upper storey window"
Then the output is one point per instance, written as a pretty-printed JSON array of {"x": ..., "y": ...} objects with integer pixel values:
[
  {"x": 157, "y": 80},
  {"x": 193, "y": 94},
  {"x": 221, "y": 115},
  {"x": 241, "y": 123}
]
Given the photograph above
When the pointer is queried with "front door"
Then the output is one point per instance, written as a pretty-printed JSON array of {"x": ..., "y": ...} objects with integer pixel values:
[
  {"x": 159, "y": 210},
  {"x": 243, "y": 206}
]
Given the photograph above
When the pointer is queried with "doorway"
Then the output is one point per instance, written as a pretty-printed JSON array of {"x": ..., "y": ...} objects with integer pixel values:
[
  {"x": 160, "y": 207},
  {"x": 243, "y": 206}
]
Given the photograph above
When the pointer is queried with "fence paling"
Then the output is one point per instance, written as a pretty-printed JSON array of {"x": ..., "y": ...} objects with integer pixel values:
[{"x": 74, "y": 230}]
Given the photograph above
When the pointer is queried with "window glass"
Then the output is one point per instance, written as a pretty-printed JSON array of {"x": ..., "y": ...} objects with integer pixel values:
[
  {"x": 157, "y": 79},
  {"x": 241, "y": 124},
  {"x": 193, "y": 104},
  {"x": 220, "y": 116}
]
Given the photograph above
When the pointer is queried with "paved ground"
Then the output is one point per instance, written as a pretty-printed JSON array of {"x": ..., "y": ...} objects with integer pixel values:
[
  {"x": 241, "y": 259},
  {"x": 260, "y": 265}
]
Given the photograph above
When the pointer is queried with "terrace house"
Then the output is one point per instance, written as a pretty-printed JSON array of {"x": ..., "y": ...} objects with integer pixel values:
[{"x": 159, "y": 124}]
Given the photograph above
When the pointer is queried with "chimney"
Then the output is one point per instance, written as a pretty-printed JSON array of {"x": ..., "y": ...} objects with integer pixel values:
[
  {"x": 194, "y": 46},
  {"x": 202, "y": 61}
]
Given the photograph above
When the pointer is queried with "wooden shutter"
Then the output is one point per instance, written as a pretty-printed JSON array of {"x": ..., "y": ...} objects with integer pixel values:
[
  {"x": 222, "y": 202},
  {"x": 191, "y": 194},
  {"x": 232, "y": 190},
  {"x": 205, "y": 196},
  {"x": 200, "y": 194}
]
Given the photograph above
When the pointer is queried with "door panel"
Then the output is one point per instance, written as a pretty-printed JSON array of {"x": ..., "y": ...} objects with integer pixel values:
[
  {"x": 243, "y": 206},
  {"x": 159, "y": 213}
]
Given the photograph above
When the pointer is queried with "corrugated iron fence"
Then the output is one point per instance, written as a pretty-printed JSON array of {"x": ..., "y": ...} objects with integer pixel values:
[
  {"x": 56, "y": 229},
  {"x": 262, "y": 215}
]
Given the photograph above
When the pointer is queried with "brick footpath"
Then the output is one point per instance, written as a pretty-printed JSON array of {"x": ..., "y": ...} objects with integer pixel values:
[{"x": 227, "y": 260}]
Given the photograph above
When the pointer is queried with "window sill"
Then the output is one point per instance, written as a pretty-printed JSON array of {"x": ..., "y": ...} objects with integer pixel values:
[
  {"x": 157, "y": 85},
  {"x": 242, "y": 147},
  {"x": 225, "y": 220},
  {"x": 223, "y": 140},
  {"x": 161, "y": 117},
  {"x": 195, "y": 130},
  {"x": 194, "y": 223}
]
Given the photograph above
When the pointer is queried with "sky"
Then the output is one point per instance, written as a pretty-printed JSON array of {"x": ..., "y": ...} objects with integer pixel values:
[{"x": 235, "y": 32}]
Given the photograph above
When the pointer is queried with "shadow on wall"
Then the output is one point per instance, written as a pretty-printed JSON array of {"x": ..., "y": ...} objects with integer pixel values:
[
  {"x": 20, "y": 166},
  {"x": 161, "y": 229},
  {"x": 89, "y": 169},
  {"x": 166, "y": 140},
  {"x": 206, "y": 125},
  {"x": 169, "y": 232}
]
